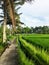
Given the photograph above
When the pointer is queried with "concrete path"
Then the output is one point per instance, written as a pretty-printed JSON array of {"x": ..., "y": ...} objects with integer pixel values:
[{"x": 10, "y": 56}]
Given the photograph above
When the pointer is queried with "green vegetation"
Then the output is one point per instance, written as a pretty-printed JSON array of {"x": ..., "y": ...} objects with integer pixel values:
[
  {"x": 39, "y": 30},
  {"x": 35, "y": 48},
  {"x": 39, "y": 40},
  {"x": 10, "y": 37},
  {"x": 23, "y": 59},
  {"x": 3, "y": 47}
]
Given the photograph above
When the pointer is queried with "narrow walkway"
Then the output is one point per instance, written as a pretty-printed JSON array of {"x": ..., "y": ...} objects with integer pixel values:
[{"x": 10, "y": 56}]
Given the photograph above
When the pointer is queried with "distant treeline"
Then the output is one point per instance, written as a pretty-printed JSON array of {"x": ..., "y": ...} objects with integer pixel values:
[
  {"x": 40, "y": 30},
  {"x": 19, "y": 29}
]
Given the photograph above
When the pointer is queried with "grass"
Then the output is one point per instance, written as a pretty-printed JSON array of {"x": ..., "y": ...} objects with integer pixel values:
[
  {"x": 38, "y": 40},
  {"x": 3, "y": 46},
  {"x": 23, "y": 59},
  {"x": 1, "y": 49},
  {"x": 35, "y": 53},
  {"x": 10, "y": 37}
]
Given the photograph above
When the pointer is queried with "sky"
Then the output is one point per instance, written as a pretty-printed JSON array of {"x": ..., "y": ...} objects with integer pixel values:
[{"x": 35, "y": 13}]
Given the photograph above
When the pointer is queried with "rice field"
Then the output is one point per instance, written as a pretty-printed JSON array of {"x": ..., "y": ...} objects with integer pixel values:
[{"x": 34, "y": 48}]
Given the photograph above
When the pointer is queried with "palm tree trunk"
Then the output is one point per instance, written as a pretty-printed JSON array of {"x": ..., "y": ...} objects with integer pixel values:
[
  {"x": 4, "y": 24},
  {"x": 4, "y": 30},
  {"x": 11, "y": 13}
]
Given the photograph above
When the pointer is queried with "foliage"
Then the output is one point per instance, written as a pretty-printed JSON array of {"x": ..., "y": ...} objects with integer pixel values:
[
  {"x": 3, "y": 47},
  {"x": 38, "y": 30},
  {"x": 38, "y": 40},
  {"x": 38, "y": 55},
  {"x": 23, "y": 60}
]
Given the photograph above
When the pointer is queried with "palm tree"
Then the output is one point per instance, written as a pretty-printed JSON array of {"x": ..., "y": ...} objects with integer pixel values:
[
  {"x": 11, "y": 12},
  {"x": 5, "y": 16},
  {"x": 8, "y": 8}
]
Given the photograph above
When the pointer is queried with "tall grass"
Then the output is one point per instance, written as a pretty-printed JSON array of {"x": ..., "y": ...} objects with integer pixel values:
[
  {"x": 40, "y": 41},
  {"x": 23, "y": 60},
  {"x": 41, "y": 57}
]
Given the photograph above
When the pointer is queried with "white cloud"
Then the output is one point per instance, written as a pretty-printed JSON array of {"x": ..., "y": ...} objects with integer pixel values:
[
  {"x": 34, "y": 21},
  {"x": 39, "y": 7},
  {"x": 36, "y": 14}
]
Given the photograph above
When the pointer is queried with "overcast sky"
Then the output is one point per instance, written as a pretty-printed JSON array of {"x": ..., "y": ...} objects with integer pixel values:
[{"x": 36, "y": 13}]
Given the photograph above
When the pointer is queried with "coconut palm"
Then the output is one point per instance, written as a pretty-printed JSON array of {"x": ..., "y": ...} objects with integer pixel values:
[{"x": 8, "y": 8}]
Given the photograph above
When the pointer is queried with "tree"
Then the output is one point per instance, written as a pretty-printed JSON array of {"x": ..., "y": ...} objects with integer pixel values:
[
  {"x": 26, "y": 30},
  {"x": 32, "y": 30},
  {"x": 9, "y": 9},
  {"x": 5, "y": 19},
  {"x": 45, "y": 29}
]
